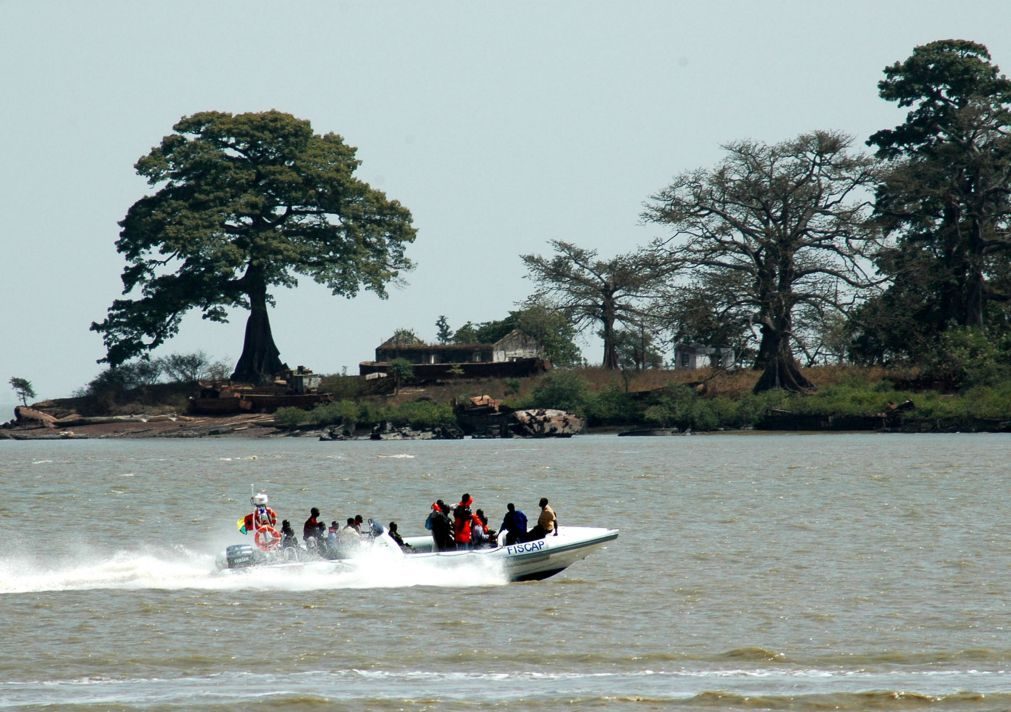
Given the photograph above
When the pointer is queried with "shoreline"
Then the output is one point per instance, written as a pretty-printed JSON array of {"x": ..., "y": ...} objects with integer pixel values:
[
  {"x": 256, "y": 425},
  {"x": 261, "y": 426}
]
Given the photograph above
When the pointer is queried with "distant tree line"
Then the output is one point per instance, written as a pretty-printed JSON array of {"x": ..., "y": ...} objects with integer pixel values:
[
  {"x": 810, "y": 247},
  {"x": 790, "y": 254}
]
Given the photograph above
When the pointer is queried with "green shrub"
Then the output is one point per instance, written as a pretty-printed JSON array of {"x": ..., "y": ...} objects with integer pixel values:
[
  {"x": 370, "y": 413},
  {"x": 343, "y": 413},
  {"x": 342, "y": 387},
  {"x": 422, "y": 415},
  {"x": 564, "y": 390},
  {"x": 989, "y": 402},
  {"x": 290, "y": 417},
  {"x": 967, "y": 357},
  {"x": 612, "y": 406}
]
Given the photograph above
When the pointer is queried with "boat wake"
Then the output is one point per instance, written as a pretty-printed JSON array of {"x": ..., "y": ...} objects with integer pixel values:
[
  {"x": 180, "y": 568},
  {"x": 635, "y": 689}
]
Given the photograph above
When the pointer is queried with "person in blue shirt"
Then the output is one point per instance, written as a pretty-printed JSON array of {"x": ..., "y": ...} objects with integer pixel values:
[{"x": 514, "y": 524}]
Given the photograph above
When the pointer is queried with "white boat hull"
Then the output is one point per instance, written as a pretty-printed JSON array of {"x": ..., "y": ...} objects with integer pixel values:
[
  {"x": 532, "y": 560},
  {"x": 527, "y": 561}
]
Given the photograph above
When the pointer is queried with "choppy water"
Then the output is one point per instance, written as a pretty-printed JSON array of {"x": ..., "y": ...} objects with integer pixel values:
[{"x": 782, "y": 572}]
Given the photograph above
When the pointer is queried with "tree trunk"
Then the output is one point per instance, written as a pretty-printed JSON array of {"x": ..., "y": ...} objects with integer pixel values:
[
  {"x": 975, "y": 280},
  {"x": 781, "y": 370},
  {"x": 260, "y": 359},
  {"x": 610, "y": 349},
  {"x": 766, "y": 350}
]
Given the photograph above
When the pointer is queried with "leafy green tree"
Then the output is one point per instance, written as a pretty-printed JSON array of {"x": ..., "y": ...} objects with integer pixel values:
[
  {"x": 564, "y": 390},
  {"x": 552, "y": 329},
  {"x": 770, "y": 229},
  {"x": 604, "y": 293},
  {"x": 443, "y": 333},
  {"x": 968, "y": 357},
  {"x": 245, "y": 203},
  {"x": 549, "y": 327},
  {"x": 945, "y": 198},
  {"x": 121, "y": 384},
  {"x": 22, "y": 389},
  {"x": 637, "y": 349},
  {"x": 402, "y": 371},
  {"x": 187, "y": 368},
  {"x": 466, "y": 334}
]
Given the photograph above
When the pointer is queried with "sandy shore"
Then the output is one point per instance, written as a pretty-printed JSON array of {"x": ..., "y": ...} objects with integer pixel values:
[{"x": 253, "y": 425}]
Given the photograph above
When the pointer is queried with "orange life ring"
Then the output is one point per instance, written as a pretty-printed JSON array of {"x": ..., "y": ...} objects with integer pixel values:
[{"x": 267, "y": 538}]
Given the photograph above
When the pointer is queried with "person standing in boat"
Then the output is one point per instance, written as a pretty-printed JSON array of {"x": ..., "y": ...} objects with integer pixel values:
[
  {"x": 465, "y": 522},
  {"x": 313, "y": 527},
  {"x": 441, "y": 528},
  {"x": 262, "y": 515},
  {"x": 547, "y": 523},
  {"x": 514, "y": 524}
]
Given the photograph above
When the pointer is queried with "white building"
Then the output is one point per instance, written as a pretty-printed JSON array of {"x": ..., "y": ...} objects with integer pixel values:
[{"x": 692, "y": 356}]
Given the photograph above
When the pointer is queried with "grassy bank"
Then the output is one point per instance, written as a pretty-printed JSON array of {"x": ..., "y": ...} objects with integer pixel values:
[{"x": 846, "y": 398}]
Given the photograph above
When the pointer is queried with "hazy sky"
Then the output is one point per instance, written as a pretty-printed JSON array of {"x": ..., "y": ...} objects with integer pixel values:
[{"x": 499, "y": 125}]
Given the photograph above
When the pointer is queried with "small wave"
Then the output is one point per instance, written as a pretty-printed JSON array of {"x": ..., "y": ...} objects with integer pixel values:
[
  {"x": 370, "y": 689},
  {"x": 933, "y": 658},
  {"x": 871, "y": 700},
  {"x": 403, "y": 456},
  {"x": 752, "y": 655}
]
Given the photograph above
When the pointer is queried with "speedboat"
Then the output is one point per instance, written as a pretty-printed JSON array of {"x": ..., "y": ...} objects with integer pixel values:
[
  {"x": 529, "y": 560},
  {"x": 524, "y": 561}
]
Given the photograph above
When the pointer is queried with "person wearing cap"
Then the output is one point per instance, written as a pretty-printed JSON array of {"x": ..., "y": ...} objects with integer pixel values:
[{"x": 261, "y": 516}]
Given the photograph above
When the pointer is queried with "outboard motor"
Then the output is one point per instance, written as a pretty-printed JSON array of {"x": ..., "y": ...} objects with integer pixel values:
[{"x": 238, "y": 556}]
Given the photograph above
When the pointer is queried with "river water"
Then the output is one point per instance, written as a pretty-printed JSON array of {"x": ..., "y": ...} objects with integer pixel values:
[{"x": 781, "y": 572}]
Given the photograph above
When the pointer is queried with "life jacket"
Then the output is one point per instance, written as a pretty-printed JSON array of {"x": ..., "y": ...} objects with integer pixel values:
[
  {"x": 462, "y": 529},
  {"x": 260, "y": 519}
]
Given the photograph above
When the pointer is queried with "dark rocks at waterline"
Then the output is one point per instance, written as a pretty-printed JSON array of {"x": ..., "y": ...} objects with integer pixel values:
[
  {"x": 546, "y": 423},
  {"x": 653, "y": 432}
]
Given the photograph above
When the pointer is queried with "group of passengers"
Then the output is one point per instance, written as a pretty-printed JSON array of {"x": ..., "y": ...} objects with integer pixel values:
[
  {"x": 458, "y": 527},
  {"x": 453, "y": 528},
  {"x": 335, "y": 541}
]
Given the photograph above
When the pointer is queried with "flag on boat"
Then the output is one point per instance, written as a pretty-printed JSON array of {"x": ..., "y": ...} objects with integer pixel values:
[{"x": 241, "y": 524}]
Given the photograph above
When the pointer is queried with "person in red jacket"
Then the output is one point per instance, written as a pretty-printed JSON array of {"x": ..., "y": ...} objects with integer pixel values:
[
  {"x": 465, "y": 522},
  {"x": 261, "y": 517}
]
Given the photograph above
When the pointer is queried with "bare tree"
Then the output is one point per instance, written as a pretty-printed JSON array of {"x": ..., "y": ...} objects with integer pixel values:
[
  {"x": 598, "y": 292},
  {"x": 772, "y": 229}
]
